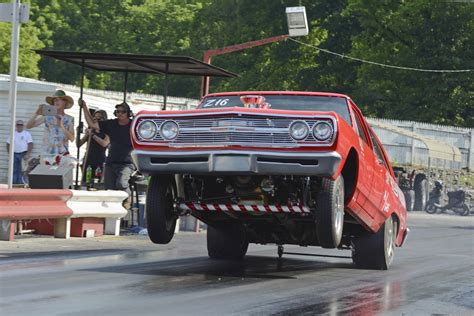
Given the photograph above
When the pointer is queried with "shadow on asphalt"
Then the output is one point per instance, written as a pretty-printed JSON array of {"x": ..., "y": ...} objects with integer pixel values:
[
  {"x": 252, "y": 267},
  {"x": 463, "y": 227}
]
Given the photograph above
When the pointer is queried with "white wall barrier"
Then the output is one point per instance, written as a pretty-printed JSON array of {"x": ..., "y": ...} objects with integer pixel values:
[{"x": 97, "y": 204}]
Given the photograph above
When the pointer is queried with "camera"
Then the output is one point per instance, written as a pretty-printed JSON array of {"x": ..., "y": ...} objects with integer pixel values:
[{"x": 49, "y": 110}]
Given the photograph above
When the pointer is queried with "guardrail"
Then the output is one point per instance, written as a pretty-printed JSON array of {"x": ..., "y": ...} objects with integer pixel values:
[
  {"x": 61, "y": 205},
  {"x": 20, "y": 204}
]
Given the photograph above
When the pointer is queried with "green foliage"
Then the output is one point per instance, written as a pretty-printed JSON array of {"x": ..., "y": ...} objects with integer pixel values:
[
  {"x": 29, "y": 39},
  {"x": 419, "y": 34}
]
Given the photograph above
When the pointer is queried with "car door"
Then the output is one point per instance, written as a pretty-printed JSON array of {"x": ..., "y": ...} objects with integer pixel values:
[
  {"x": 366, "y": 160},
  {"x": 381, "y": 195}
]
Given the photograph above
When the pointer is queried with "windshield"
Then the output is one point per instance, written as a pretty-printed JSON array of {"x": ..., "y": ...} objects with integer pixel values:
[{"x": 285, "y": 102}]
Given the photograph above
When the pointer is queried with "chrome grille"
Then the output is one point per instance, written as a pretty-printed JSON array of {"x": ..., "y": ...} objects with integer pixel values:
[{"x": 236, "y": 130}]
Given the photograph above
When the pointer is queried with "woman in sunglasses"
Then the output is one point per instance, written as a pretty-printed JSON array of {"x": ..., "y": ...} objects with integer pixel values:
[{"x": 97, "y": 142}]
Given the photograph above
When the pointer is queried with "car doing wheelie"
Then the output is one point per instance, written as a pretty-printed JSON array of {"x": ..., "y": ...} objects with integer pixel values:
[{"x": 272, "y": 167}]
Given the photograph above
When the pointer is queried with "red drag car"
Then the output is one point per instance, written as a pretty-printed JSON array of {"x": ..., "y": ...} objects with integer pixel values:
[{"x": 272, "y": 167}]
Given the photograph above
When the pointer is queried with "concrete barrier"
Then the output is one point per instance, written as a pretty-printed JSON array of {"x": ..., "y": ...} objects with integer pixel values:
[
  {"x": 19, "y": 204},
  {"x": 62, "y": 205},
  {"x": 95, "y": 204}
]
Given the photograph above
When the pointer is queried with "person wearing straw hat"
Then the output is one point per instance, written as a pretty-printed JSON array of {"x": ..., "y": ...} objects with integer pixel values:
[{"x": 58, "y": 127}]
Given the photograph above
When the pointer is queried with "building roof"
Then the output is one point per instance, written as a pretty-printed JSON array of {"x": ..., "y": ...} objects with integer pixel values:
[{"x": 437, "y": 149}]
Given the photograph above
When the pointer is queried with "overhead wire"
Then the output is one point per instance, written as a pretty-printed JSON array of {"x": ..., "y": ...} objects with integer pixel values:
[{"x": 381, "y": 64}]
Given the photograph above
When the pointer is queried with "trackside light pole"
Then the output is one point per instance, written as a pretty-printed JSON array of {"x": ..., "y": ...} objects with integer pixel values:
[
  {"x": 15, "y": 13},
  {"x": 297, "y": 26}
]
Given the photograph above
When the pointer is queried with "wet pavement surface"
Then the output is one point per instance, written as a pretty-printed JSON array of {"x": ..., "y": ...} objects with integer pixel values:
[{"x": 128, "y": 275}]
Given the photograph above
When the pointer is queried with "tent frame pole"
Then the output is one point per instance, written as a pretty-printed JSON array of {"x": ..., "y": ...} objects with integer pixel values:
[
  {"x": 80, "y": 127},
  {"x": 125, "y": 83},
  {"x": 165, "y": 93}
]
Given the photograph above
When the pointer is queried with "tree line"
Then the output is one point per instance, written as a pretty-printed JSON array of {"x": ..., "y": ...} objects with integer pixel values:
[{"x": 421, "y": 35}]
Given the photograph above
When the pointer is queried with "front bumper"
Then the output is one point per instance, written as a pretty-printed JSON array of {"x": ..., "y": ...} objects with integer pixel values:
[{"x": 236, "y": 162}]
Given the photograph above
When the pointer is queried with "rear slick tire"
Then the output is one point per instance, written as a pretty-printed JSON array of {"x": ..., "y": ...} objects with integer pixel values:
[
  {"x": 376, "y": 251},
  {"x": 160, "y": 214},
  {"x": 421, "y": 188},
  {"x": 465, "y": 210},
  {"x": 409, "y": 200},
  {"x": 330, "y": 212},
  {"x": 226, "y": 242}
]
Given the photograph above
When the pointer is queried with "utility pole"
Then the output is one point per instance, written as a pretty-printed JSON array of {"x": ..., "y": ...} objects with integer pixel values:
[{"x": 15, "y": 13}]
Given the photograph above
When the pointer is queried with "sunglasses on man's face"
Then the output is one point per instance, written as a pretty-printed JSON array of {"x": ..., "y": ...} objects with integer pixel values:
[{"x": 19, "y": 124}]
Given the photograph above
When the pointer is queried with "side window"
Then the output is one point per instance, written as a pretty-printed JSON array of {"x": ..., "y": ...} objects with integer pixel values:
[
  {"x": 360, "y": 129},
  {"x": 377, "y": 149}
]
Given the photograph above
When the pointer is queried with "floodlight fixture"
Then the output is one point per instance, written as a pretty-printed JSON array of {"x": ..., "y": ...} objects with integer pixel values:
[
  {"x": 297, "y": 26},
  {"x": 297, "y": 21}
]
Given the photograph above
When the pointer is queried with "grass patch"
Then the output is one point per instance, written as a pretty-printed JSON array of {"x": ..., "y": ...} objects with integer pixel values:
[{"x": 468, "y": 180}]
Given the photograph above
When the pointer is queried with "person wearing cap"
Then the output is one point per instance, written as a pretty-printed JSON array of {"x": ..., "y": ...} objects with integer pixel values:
[
  {"x": 58, "y": 128},
  {"x": 118, "y": 164},
  {"x": 23, "y": 145}
]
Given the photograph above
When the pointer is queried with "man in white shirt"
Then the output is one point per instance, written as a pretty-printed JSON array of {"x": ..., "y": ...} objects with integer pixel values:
[{"x": 23, "y": 147}]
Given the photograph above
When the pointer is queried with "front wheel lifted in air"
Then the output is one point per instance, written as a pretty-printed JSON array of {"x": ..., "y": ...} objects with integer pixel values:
[
  {"x": 161, "y": 215},
  {"x": 330, "y": 212}
]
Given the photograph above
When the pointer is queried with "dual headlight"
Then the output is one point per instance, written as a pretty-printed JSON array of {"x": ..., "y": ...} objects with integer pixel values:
[
  {"x": 322, "y": 131},
  {"x": 147, "y": 129}
]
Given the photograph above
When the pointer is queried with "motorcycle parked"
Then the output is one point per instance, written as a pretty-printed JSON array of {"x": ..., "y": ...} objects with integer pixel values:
[{"x": 456, "y": 201}]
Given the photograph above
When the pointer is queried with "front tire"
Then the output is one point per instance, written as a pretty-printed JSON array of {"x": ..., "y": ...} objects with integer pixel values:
[
  {"x": 330, "y": 216},
  {"x": 376, "y": 251},
  {"x": 226, "y": 242},
  {"x": 430, "y": 208},
  {"x": 160, "y": 214}
]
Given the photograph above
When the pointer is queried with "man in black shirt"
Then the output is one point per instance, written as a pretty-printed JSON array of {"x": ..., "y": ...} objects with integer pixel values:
[{"x": 118, "y": 164}]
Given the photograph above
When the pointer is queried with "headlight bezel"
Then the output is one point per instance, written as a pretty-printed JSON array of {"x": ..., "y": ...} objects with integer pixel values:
[
  {"x": 291, "y": 129},
  {"x": 162, "y": 127},
  {"x": 140, "y": 126},
  {"x": 329, "y": 134}
]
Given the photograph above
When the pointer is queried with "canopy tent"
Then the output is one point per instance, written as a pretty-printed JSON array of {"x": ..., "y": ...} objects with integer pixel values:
[
  {"x": 156, "y": 64},
  {"x": 151, "y": 64}
]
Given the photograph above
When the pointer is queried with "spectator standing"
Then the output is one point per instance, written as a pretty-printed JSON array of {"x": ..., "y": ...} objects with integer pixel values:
[
  {"x": 118, "y": 164},
  {"x": 58, "y": 128},
  {"x": 23, "y": 145},
  {"x": 97, "y": 143}
]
